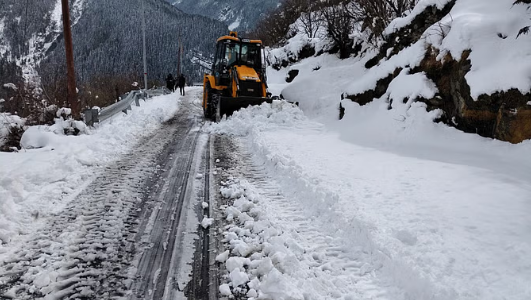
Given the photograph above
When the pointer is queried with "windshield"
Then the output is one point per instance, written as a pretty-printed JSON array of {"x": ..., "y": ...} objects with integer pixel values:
[
  {"x": 250, "y": 55},
  {"x": 243, "y": 54}
]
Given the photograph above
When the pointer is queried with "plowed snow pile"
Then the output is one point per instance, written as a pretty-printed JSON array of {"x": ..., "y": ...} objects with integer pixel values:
[{"x": 424, "y": 222}]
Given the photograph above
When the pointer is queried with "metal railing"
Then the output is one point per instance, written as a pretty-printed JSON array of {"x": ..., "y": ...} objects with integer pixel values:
[{"x": 92, "y": 116}]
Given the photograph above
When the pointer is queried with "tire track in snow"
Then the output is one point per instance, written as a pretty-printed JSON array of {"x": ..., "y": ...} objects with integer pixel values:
[
  {"x": 168, "y": 229},
  {"x": 203, "y": 284},
  {"x": 161, "y": 236},
  {"x": 321, "y": 263},
  {"x": 85, "y": 251}
]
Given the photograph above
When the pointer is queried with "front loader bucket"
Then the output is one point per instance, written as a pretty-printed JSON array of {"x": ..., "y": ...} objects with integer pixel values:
[{"x": 228, "y": 105}]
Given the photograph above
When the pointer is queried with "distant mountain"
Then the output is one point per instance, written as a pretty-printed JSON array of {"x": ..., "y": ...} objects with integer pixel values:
[
  {"x": 107, "y": 40},
  {"x": 240, "y": 15}
]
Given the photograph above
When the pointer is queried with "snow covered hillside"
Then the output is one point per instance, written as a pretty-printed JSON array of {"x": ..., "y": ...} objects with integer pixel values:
[
  {"x": 469, "y": 68},
  {"x": 36, "y": 183}
]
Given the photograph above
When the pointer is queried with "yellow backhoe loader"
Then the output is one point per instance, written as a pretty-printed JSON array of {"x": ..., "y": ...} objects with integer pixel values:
[{"x": 237, "y": 79}]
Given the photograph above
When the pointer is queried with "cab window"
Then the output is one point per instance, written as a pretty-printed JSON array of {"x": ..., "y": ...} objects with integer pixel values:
[
  {"x": 231, "y": 53},
  {"x": 250, "y": 55}
]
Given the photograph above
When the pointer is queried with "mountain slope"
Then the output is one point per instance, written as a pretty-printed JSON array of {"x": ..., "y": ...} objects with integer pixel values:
[
  {"x": 108, "y": 38},
  {"x": 107, "y": 44},
  {"x": 239, "y": 15}
]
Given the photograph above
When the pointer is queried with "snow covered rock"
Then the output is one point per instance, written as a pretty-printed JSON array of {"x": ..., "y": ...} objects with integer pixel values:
[
  {"x": 238, "y": 277},
  {"x": 35, "y": 137},
  {"x": 461, "y": 47},
  {"x": 206, "y": 222},
  {"x": 222, "y": 257},
  {"x": 224, "y": 290}
]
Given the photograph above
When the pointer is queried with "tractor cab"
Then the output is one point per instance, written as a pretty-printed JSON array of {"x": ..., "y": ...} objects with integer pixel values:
[{"x": 232, "y": 51}]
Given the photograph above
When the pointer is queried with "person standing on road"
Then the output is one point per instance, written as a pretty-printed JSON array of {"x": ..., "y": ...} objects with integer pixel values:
[
  {"x": 182, "y": 82},
  {"x": 170, "y": 82}
]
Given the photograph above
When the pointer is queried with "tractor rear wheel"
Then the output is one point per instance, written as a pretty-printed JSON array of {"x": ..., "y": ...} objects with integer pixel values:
[
  {"x": 218, "y": 113},
  {"x": 208, "y": 109}
]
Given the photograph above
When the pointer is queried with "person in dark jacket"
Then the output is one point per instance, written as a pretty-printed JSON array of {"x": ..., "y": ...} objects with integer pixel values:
[
  {"x": 182, "y": 82},
  {"x": 170, "y": 82}
]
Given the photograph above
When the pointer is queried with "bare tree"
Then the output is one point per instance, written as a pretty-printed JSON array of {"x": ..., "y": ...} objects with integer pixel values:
[
  {"x": 339, "y": 23},
  {"x": 378, "y": 14},
  {"x": 341, "y": 18},
  {"x": 310, "y": 18},
  {"x": 275, "y": 27},
  {"x": 525, "y": 29}
]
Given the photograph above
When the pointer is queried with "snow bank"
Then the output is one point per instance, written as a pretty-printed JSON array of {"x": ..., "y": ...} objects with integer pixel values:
[
  {"x": 269, "y": 257},
  {"x": 35, "y": 183},
  {"x": 427, "y": 206},
  {"x": 407, "y": 87},
  {"x": 49, "y": 136},
  {"x": 423, "y": 224},
  {"x": 500, "y": 61},
  {"x": 34, "y": 138},
  {"x": 489, "y": 29},
  {"x": 320, "y": 84},
  {"x": 407, "y": 58},
  {"x": 399, "y": 23},
  {"x": 279, "y": 113},
  {"x": 290, "y": 52}
]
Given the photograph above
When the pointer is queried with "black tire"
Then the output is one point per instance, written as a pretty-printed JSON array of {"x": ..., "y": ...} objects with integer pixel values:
[
  {"x": 208, "y": 111},
  {"x": 217, "y": 114}
]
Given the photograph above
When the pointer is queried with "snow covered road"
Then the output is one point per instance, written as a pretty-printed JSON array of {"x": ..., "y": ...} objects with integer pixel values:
[
  {"x": 167, "y": 220},
  {"x": 289, "y": 208},
  {"x": 130, "y": 231},
  {"x": 416, "y": 228}
]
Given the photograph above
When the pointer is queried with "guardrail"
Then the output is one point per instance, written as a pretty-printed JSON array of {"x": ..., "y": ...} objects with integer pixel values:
[{"x": 92, "y": 116}]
